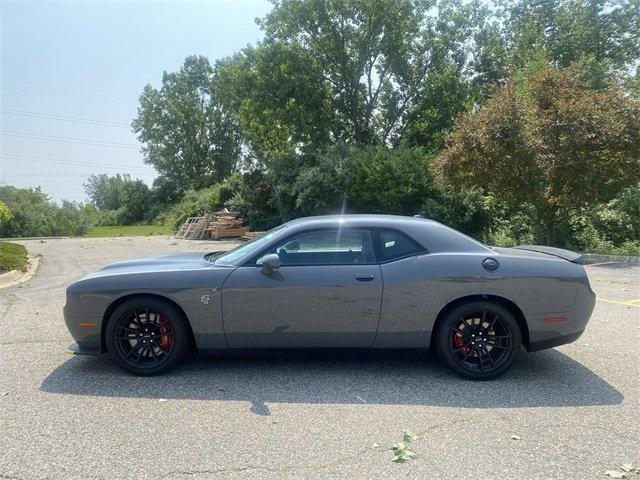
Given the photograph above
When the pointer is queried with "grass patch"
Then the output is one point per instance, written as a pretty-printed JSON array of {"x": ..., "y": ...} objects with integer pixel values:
[
  {"x": 13, "y": 257},
  {"x": 129, "y": 231}
]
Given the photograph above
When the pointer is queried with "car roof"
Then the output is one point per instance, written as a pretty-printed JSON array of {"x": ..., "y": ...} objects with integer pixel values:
[
  {"x": 434, "y": 236},
  {"x": 358, "y": 220}
]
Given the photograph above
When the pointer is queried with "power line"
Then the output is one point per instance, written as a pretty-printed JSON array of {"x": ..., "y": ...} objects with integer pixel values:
[
  {"x": 53, "y": 116},
  {"x": 80, "y": 141},
  {"x": 54, "y": 175},
  {"x": 70, "y": 94},
  {"x": 60, "y": 161}
]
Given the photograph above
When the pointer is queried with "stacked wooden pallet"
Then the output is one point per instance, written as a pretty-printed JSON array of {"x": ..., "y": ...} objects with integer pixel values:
[
  {"x": 195, "y": 228},
  {"x": 223, "y": 224},
  {"x": 226, "y": 225}
]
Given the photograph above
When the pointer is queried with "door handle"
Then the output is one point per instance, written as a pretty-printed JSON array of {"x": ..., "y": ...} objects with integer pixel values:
[{"x": 365, "y": 278}]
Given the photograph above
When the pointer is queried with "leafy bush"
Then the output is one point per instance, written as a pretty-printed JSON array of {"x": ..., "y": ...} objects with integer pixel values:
[
  {"x": 194, "y": 203},
  {"x": 135, "y": 202},
  {"x": 106, "y": 218},
  {"x": 5, "y": 213},
  {"x": 158, "y": 214},
  {"x": 126, "y": 201},
  {"x": 353, "y": 179},
  {"x": 70, "y": 219},
  {"x": 469, "y": 211},
  {"x": 35, "y": 215},
  {"x": 628, "y": 203},
  {"x": 356, "y": 179},
  {"x": 318, "y": 184},
  {"x": 612, "y": 227},
  {"x": 390, "y": 181},
  {"x": 254, "y": 199}
]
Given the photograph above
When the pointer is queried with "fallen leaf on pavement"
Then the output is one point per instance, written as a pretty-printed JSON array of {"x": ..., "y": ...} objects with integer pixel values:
[{"x": 615, "y": 474}]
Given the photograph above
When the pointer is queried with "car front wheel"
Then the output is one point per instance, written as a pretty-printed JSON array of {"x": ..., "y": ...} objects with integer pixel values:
[
  {"x": 147, "y": 336},
  {"x": 479, "y": 340}
]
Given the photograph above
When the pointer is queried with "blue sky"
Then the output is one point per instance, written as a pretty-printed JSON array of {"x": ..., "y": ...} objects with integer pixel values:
[{"x": 71, "y": 73}]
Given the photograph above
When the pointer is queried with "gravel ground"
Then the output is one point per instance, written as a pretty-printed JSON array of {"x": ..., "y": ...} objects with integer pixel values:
[{"x": 570, "y": 412}]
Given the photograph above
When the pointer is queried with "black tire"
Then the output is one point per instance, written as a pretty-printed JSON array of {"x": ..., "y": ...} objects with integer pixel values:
[
  {"x": 147, "y": 336},
  {"x": 479, "y": 340}
]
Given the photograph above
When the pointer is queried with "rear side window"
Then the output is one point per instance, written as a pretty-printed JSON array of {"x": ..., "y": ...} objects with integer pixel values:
[{"x": 394, "y": 245}]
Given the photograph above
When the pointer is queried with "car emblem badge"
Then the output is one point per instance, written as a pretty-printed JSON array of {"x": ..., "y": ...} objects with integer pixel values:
[{"x": 205, "y": 299}]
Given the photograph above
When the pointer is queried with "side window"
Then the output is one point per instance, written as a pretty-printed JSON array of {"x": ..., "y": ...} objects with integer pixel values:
[
  {"x": 394, "y": 245},
  {"x": 326, "y": 247}
]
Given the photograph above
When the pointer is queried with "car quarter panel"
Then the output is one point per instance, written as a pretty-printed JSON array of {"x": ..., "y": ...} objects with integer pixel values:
[{"x": 416, "y": 290}]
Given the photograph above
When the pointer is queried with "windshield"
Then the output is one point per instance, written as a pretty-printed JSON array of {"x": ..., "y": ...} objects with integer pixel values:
[{"x": 232, "y": 256}]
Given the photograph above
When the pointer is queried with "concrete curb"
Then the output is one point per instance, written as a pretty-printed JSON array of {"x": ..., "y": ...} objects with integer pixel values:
[
  {"x": 15, "y": 277},
  {"x": 8, "y": 239},
  {"x": 594, "y": 258}
]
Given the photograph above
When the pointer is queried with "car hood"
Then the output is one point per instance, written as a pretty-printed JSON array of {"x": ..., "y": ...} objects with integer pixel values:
[{"x": 158, "y": 263}]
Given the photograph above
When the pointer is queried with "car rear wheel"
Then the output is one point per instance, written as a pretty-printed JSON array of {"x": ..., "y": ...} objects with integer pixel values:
[
  {"x": 479, "y": 340},
  {"x": 147, "y": 336}
]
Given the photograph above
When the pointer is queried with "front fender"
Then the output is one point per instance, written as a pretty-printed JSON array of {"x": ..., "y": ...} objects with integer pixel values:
[{"x": 90, "y": 302}]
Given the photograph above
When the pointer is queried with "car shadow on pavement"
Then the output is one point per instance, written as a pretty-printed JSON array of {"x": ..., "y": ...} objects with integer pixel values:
[{"x": 542, "y": 379}]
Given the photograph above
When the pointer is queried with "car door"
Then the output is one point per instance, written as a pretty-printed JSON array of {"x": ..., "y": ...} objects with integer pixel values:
[{"x": 326, "y": 293}]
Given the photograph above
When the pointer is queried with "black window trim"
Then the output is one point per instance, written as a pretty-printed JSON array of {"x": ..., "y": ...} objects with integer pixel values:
[{"x": 375, "y": 238}]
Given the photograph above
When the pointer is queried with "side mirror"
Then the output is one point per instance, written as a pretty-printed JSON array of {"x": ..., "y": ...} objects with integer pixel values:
[{"x": 270, "y": 263}]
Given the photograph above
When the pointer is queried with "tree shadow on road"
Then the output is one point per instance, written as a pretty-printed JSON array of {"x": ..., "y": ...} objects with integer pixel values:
[{"x": 541, "y": 379}]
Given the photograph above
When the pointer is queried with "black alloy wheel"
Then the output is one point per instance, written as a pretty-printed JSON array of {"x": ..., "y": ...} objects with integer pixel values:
[
  {"x": 479, "y": 340},
  {"x": 147, "y": 336}
]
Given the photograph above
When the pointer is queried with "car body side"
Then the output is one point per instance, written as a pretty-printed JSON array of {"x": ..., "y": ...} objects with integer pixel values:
[{"x": 550, "y": 296}]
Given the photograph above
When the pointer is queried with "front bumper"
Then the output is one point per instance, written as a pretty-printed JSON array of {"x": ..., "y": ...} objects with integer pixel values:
[
  {"x": 78, "y": 350},
  {"x": 85, "y": 330}
]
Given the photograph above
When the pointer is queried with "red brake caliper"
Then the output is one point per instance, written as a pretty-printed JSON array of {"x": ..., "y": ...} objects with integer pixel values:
[
  {"x": 165, "y": 340},
  {"x": 458, "y": 341}
]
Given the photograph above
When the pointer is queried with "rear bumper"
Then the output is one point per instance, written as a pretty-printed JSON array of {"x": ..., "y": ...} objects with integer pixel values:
[
  {"x": 554, "y": 342},
  {"x": 553, "y": 329},
  {"x": 79, "y": 350}
]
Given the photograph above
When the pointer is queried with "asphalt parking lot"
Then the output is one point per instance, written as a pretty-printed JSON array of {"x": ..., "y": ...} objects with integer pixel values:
[{"x": 571, "y": 412}]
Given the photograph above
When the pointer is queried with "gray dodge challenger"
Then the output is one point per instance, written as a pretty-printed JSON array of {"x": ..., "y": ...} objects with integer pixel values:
[{"x": 336, "y": 282}]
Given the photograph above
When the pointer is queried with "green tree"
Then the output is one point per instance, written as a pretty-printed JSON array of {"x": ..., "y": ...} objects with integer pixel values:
[
  {"x": 466, "y": 57},
  {"x": 364, "y": 71},
  {"x": 5, "y": 213},
  {"x": 550, "y": 141},
  {"x": 187, "y": 134},
  {"x": 126, "y": 200},
  {"x": 280, "y": 98},
  {"x": 105, "y": 191},
  {"x": 135, "y": 202},
  {"x": 378, "y": 58},
  {"x": 600, "y": 36}
]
